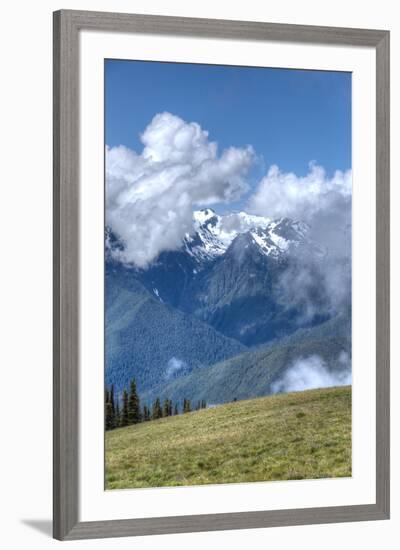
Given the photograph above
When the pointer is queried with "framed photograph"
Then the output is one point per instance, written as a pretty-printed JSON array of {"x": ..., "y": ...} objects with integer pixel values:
[{"x": 221, "y": 275}]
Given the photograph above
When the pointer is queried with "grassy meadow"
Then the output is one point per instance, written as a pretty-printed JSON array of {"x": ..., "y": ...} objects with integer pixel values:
[{"x": 302, "y": 435}]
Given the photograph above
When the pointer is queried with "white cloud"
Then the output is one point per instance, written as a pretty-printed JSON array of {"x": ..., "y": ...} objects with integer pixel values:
[
  {"x": 285, "y": 194},
  {"x": 174, "y": 367},
  {"x": 312, "y": 372},
  {"x": 150, "y": 196},
  {"x": 314, "y": 285}
]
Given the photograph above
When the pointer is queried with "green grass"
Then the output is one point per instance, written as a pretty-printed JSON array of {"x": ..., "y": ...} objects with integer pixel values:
[{"x": 302, "y": 435}]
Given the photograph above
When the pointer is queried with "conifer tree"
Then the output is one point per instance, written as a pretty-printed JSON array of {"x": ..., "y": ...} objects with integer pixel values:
[
  {"x": 166, "y": 408},
  {"x": 186, "y": 406},
  {"x": 133, "y": 405},
  {"x": 108, "y": 416},
  {"x": 157, "y": 410},
  {"x": 111, "y": 397},
  {"x": 176, "y": 410},
  {"x": 125, "y": 409},
  {"x": 117, "y": 417},
  {"x": 112, "y": 408}
]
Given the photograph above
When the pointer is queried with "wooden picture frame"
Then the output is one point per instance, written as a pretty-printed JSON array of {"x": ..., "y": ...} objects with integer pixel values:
[{"x": 67, "y": 26}]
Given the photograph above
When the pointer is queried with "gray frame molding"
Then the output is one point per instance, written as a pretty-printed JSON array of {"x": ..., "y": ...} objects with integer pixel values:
[{"x": 67, "y": 25}]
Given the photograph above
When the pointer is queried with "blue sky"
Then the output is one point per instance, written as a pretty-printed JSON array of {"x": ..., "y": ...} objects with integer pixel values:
[{"x": 290, "y": 117}]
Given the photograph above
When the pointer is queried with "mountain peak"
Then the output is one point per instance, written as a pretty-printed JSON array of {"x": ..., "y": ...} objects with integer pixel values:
[
  {"x": 279, "y": 236},
  {"x": 204, "y": 215},
  {"x": 215, "y": 233}
]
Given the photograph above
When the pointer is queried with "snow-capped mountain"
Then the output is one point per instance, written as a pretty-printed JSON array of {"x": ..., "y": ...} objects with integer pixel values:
[
  {"x": 230, "y": 272},
  {"x": 214, "y": 234},
  {"x": 237, "y": 282}
]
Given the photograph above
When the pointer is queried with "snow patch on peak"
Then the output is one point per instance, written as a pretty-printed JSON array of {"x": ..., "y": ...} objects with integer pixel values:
[
  {"x": 279, "y": 241},
  {"x": 279, "y": 236},
  {"x": 265, "y": 246}
]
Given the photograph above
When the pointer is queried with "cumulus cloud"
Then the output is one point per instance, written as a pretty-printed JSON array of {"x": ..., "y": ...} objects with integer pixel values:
[
  {"x": 150, "y": 195},
  {"x": 323, "y": 202},
  {"x": 285, "y": 194},
  {"x": 312, "y": 372}
]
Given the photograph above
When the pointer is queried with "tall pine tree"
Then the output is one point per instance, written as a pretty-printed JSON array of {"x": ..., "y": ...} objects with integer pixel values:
[
  {"x": 133, "y": 405},
  {"x": 166, "y": 407},
  {"x": 112, "y": 408},
  {"x": 117, "y": 421},
  {"x": 157, "y": 410},
  {"x": 125, "y": 409},
  {"x": 108, "y": 414}
]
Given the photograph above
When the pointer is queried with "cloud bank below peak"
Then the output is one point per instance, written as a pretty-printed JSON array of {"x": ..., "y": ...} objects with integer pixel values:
[{"x": 150, "y": 196}]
